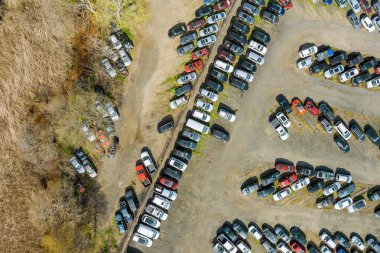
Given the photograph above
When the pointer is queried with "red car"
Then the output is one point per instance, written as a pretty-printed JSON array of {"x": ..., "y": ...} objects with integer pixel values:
[
  {"x": 195, "y": 65},
  {"x": 377, "y": 70},
  {"x": 365, "y": 6},
  {"x": 296, "y": 247},
  {"x": 287, "y": 4},
  {"x": 198, "y": 23},
  {"x": 170, "y": 183},
  {"x": 222, "y": 5},
  {"x": 298, "y": 107},
  {"x": 143, "y": 175},
  {"x": 286, "y": 181},
  {"x": 310, "y": 106},
  {"x": 227, "y": 56},
  {"x": 201, "y": 52},
  {"x": 282, "y": 167}
]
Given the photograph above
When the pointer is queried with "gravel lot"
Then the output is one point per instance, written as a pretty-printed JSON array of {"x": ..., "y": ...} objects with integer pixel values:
[{"x": 209, "y": 192}]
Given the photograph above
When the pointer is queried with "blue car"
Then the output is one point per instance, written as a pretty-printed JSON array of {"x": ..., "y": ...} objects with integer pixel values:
[
  {"x": 210, "y": 2},
  {"x": 120, "y": 223},
  {"x": 276, "y": 9},
  {"x": 328, "y": 2}
]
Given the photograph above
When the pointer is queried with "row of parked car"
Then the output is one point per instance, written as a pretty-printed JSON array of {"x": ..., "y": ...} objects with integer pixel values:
[
  {"x": 128, "y": 206},
  {"x": 117, "y": 56},
  {"x": 370, "y": 23},
  {"x": 347, "y": 67}
]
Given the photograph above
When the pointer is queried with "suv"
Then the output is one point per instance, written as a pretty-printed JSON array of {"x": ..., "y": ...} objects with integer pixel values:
[
  {"x": 241, "y": 39},
  {"x": 347, "y": 190},
  {"x": 191, "y": 135},
  {"x": 284, "y": 103},
  {"x": 166, "y": 127},
  {"x": 362, "y": 77},
  {"x": 120, "y": 223},
  {"x": 182, "y": 154},
  {"x": 372, "y": 135},
  {"x": 315, "y": 185},
  {"x": 342, "y": 129},
  {"x": 227, "y": 56},
  {"x": 338, "y": 58},
  {"x": 227, "y": 230},
  {"x": 326, "y": 110},
  {"x": 240, "y": 84},
  {"x": 247, "y": 65},
  {"x": 357, "y": 131},
  {"x": 183, "y": 49},
  {"x": 218, "y": 75},
  {"x": 298, "y": 235},
  {"x": 183, "y": 89},
  {"x": 269, "y": 17},
  {"x": 369, "y": 64},
  {"x": 319, "y": 67},
  {"x": 270, "y": 179},
  {"x": 324, "y": 174},
  {"x": 266, "y": 191},
  {"x": 325, "y": 124},
  {"x": 131, "y": 200},
  {"x": 261, "y": 36},
  {"x": 214, "y": 86},
  {"x": 187, "y": 144},
  {"x": 177, "y": 30},
  {"x": 374, "y": 195},
  {"x": 249, "y": 188},
  {"x": 282, "y": 233},
  {"x": 235, "y": 48},
  {"x": 221, "y": 135},
  {"x": 178, "y": 164},
  {"x": 239, "y": 26},
  {"x": 124, "y": 212},
  {"x": 351, "y": 16},
  {"x": 355, "y": 60},
  {"x": 250, "y": 8}
]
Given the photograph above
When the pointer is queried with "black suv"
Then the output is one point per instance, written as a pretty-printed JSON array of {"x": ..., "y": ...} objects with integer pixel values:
[
  {"x": 221, "y": 135},
  {"x": 261, "y": 36},
  {"x": 284, "y": 103},
  {"x": 239, "y": 26},
  {"x": 319, "y": 67},
  {"x": 248, "y": 65},
  {"x": 182, "y": 154},
  {"x": 315, "y": 185},
  {"x": 242, "y": 39},
  {"x": 214, "y": 85},
  {"x": 369, "y": 64},
  {"x": 357, "y": 131},
  {"x": 183, "y": 89},
  {"x": 203, "y": 11},
  {"x": 240, "y": 84},
  {"x": 338, "y": 58},
  {"x": 177, "y": 30},
  {"x": 372, "y": 135},
  {"x": 269, "y": 17},
  {"x": 266, "y": 191},
  {"x": 326, "y": 110},
  {"x": 218, "y": 75},
  {"x": 233, "y": 47},
  {"x": 363, "y": 77},
  {"x": 354, "y": 60},
  {"x": 342, "y": 143}
]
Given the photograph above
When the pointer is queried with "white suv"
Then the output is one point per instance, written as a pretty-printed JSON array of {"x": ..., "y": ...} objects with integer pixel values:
[
  {"x": 308, "y": 51},
  {"x": 178, "y": 102},
  {"x": 257, "y": 47},
  {"x": 148, "y": 231},
  {"x": 201, "y": 115},
  {"x": 242, "y": 74},
  {"x": 161, "y": 202},
  {"x": 209, "y": 95},
  {"x": 222, "y": 65},
  {"x": 256, "y": 58},
  {"x": 342, "y": 130},
  {"x": 204, "y": 105}
]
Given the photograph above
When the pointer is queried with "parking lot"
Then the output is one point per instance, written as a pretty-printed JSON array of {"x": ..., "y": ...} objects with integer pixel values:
[{"x": 210, "y": 190}]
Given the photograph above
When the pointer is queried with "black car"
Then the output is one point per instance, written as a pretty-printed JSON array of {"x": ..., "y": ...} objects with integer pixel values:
[
  {"x": 266, "y": 191},
  {"x": 248, "y": 65},
  {"x": 338, "y": 58},
  {"x": 298, "y": 235},
  {"x": 203, "y": 11},
  {"x": 271, "y": 178},
  {"x": 131, "y": 200},
  {"x": 221, "y": 135},
  {"x": 276, "y": 9},
  {"x": 305, "y": 171},
  {"x": 346, "y": 190},
  {"x": 188, "y": 37},
  {"x": 315, "y": 185},
  {"x": 269, "y": 17},
  {"x": 374, "y": 195},
  {"x": 128, "y": 218},
  {"x": 357, "y": 131},
  {"x": 259, "y": 2},
  {"x": 183, "y": 89},
  {"x": 240, "y": 84},
  {"x": 233, "y": 47},
  {"x": 261, "y": 36},
  {"x": 355, "y": 60},
  {"x": 181, "y": 50},
  {"x": 227, "y": 230},
  {"x": 342, "y": 239},
  {"x": 312, "y": 249},
  {"x": 214, "y": 85},
  {"x": 369, "y": 64},
  {"x": 284, "y": 103},
  {"x": 372, "y": 135},
  {"x": 342, "y": 143},
  {"x": 326, "y": 110},
  {"x": 319, "y": 67},
  {"x": 182, "y": 154},
  {"x": 166, "y": 127},
  {"x": 177, "y": 30},
  {"x": 186, "y": 144},
  {"x": 239, "y": 26},
  {"x": 362, "y": 77},
  {"x": 237, "y": 37},
  {"x": 173, "y": 173},
  {"x": 325, "y": 201},
  {"x": 218, "y": 75}
]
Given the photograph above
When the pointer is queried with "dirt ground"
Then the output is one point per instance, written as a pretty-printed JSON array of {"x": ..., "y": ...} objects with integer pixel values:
[{"x": 209, "y": 193}]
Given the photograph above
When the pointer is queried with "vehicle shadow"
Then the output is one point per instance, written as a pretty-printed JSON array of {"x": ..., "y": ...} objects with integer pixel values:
[
  {"x": 267, "y": 173},
  {"x": 249, "y": 181},
  {"x": 283, "y": 160},
  {"x": 226, "y": 107},
  {"x": 164, "y": 120},
  {"x": 305, "y": 45},
  {"x": 304, "y": 164}
]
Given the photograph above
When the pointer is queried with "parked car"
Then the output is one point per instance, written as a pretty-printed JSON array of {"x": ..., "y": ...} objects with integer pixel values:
[
  {"x": 224, "y": 66},
  {"x": 338, "y": 57},
  {"x": 221, "y": 135},
  {"x": 374, "y": 195},
  {"x": 249, "y": 188},
  {"x": 142, "y": 239},
  {"x": 351, "y": 16},
  {"x": 226, "y": 115},
  {"x": 357, "y": 131},
  {"x": 343, "y": 177},
  {"x": 120, "y": 223},
  {"x": 343, "y": 203},
  {"x": 188, "y": 37},
  {"x": 156, "y": 212},
  {"x": 376, "y": 7},
  {"x": 283, "y": 247},
  {"x": 310, "y": 106},
  {"x": 209, "y": 95},
  {"x": 227, "y": 230},
  {"x": 131, "y": 200},
  {"x": 206, "y": 41},
  {"x": 193, "y": 25},
  {"x": 287, "y": 180},
  {"x": 342, "y": 129},
  {"x": 88, "y": 166},
  {"x": 300, "y": 183},
  {"x": 376, "y": 22},
  {"x": 298, "y": 235},
  {"x": 261, "y": 36},
  {"x": 148, "y": 231},
  {"x": 233, "y": 47},
  {"x": 304, "y": 63},
  {"x": 258, "y": 47},
  {"x": 204, "y": 105},
  {"x": 250, "y": 8},
  {"x": 282, "y": 233},
  {"x": 305, "y": 171},
  {"x": 239, "y": 26},
  {"x": 178, "y": 164},
  {"x": 246, "y": 17},
  {"x": 203, "y": 11},
  {"x": 372, "y": 242},
  {"x": 372, "y": 135},
  {"x": 107, "y": 65},
  {"x": 200, "y": 52},
  {"x": 218, "y": 75},
  {"x": 322, "y": 203},
  {"x": 269, "y": 17},
  {"x": 357, "y": 206},
  {"x": 244, "y": 75},
  {"x": 374, "y": 82},
  {"x": 266, "y": 191},
  {"x": 313, "y": 249},
  {"x": 315, "y": 185},
  {"x": 255, "y": 57},
  {"x": 283, "y": 102},
  {"x": 287, "y": 4},
  {"x": 319, "y": 67},
  {"x": 226, "y": 243},
  {"x": 333, "y": 71},
  {"x": 280, "y": 130},
  {"x": 238, "y": 83},
  {"x": 222, "y": 5},
  {"x": 77, "y": 165},
  {"x": 269, "y": 234},
  {"x": 177, "y": 102},
  {"x": 240, "y": 230},
  {"x": 183, "y": 49},
  {"x": 151, "y": 221},
  {"x": 162, "y": 203},
  {"x": 162, "y": 128},
  {"x": 283, "y": 120},
  {"x": 177, "y": 30},
  {"x": 308, "y": 51},
  {"x": 334, "y": 187},
  {"x": 326, "y": 53},
  {"x": 341, "y": 4},
  {"x": 225, "y": 55},
  {"x": 324, "y": 174},
  {"x": 369, "y": 64},
  {"x": 214, "y": 86},
  {"x": 358, "y": 242},
  {"x": 326, "y": 238},
  {"x": 347, "y": 190},
  {"x": 270, "y": 179},
  {"x": 216, "y": 17},
  {"x": 298, "y": 107},
  {"x": 255, "y": 231},
  {"x": 182, "y": 154},
  {"x": 325, "y": 124},
  {"x": 324, "y": 108},
  {"x": 143, "y": 175},
  {"x": 367, "y": 23},
  {"x": 170, "y": 183},
  {"x": 127, "y": 217},
  {"x": 186, "y": 144},
  {"x": 193, "y": 66},
  {"x": 354, "y": 4},
  {"x": 276, "y": 9},
  {"x": 187, "y": 78},
  {"x": 281, "y": 194},
  {"x": 247, "y": 65},
  {"x": 179, "y": 91},
  {"x": 239, "y": 38},
  {"x": 362, "y": 77},
  {"x": 342, "y": 239},
  {"x": 355, "y": 59}
]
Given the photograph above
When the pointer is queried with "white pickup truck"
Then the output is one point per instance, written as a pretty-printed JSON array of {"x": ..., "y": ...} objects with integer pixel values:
[{"x": 281, "y": 131}]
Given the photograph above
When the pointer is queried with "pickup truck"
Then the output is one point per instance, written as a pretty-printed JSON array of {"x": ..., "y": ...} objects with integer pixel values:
[
  {"x": 282, "y": 133},
  {"x": 148, "y": 162},
  {"x": 324, "y": 54}
]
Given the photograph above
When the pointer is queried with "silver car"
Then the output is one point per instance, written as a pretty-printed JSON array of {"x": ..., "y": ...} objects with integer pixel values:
[
  {"x": 305, "y": 63},
  {"x": 206, "y": 41},
  {"x": 331, "y": 188},
  {"x": 208, "y": 30},
  {"x": 77, "y": 165},
  {"x": 107, "y": 65},
  {"x": 333, "y": 71},
  {"x": 226, "y": 115},
  {"x": 187, "y": 78},
  {"x": 246, "y": 17}
]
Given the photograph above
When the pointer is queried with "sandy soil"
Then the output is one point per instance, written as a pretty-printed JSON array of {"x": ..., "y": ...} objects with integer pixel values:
[{"x": 209, "y": 193}]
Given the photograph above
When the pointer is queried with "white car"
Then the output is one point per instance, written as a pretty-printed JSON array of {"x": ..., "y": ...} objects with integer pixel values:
[
  {"x": 343, "y": 177},
  {"x": 334, "y": 187},
  {"x": 283, "y": 119},
  {"x": 206, "y": 41},
  {"x": 357, "y": 206},
  {"x": 342, "y": 130},
  {"x": 226, "y": 243},
  {"x": 208, "y": 30},
  {"x": 187, "y": 78},
  {"x": 283, "y": 247},
  {"x": 300, "y": 183},
  {"x": 308, "y": 51},
  {"x": 178, "y": 164},
  {"x": 255, "y": 57},
  {"x": 358, "y": 242},
  {"x": 255, "y": 46},
  {"x": 201, "y": 115},
  {"x": 204, "y": 105},
  {"x": 376, "y": 22},
  {"x": 161, "y": 202},
  {"x": 305, "y": 63},
  {"x": 148, "y": 231},
  {"x": 226, "y": 115},
  {"x": 125, "y": 58},
  {"x": 333, "y": 71},
  {"x": 354, "y": 4},
  {"x": 243, "y": 247},
  {"x": 167, "y": 193},
  {"x": 244, "y": 75},
  {"x": 107, "y": 65},
  {"x": 219, "y": 248},
  {"x": 115, "y": 42},
  {"x": 112, "y": 112},
  {"x": 255, "y": 231},
  {"x": 281, "y": 194},
  {"x": 216, "y": 17},
  {"x": 282, "y": 132},
  {"x": 142, "y": 239},
  {"x": 77, "y": 165},
  {"x": 222, "y": 65},
  {"x": 375, "y": 82},
  {"x": 178, "y": 102},
  {"x": 343, "y": 203},
  {"x": 367, "y": 23},
  {"x": 148, "y": 162},
  {"x": 156, "y": 212},
  {"x": 89, "y": 134},
  {"x": 151, "y": 221},
  {"x": 328, "y": 240},
  {"x": 209, "y": 95},
  {"x": 348, "y": 75}
]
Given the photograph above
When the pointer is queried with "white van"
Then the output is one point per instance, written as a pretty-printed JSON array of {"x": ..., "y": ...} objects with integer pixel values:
[
  {"x": 201, "y": 115},
  {"x": 257, "y": 47},
  {"x": 342, "y": 130},
  {"x": 255, "y": 57},
  {"x": 354, "y": 4},
  {"x": 148, "y": 231},
  {"x": 197, "y": 126},
  {"x": 242, "y": 74},
  {"x": 161, "y": 202},
  {"x": 222, "y": 65}
]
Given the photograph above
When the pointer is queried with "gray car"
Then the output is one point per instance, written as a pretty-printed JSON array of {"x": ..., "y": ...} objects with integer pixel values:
[
  {"x": 298, "y": 235},
  {"x": 187, "y": 144},
  {"x": 351, "y": 16},
  {"x": 270, "y": 234},
  {"x": 183, "y": 89},
  {"x": 341, "y": 3},
  {"x": 240, "y": 230},
  {"x": 246, "y": 17},
  {"x": 221, "y": 135},
  {"x": 226, "y": 229},
  {"x": 266, "y": 191},
  {"x": 282, "y": 233},
  {"x": 191, "y": 135},
  {"x": 342, "y": 239},
  {"x": 347, "y": 190},
  {"x": 131, "y": 201},
  {"x": 181, "y": 50},
  {"x": 182, "y": 154},
  {"x": 269, "y": 17},
  {"x": 176, "y": 174},
  {"x": 250, "y": 8},
  {"x": 270, "y": 178},
  {"x": 357, "y": 131},
  {"x": 187, "y": 38},
  {"x": 249, "y": 188},
  {"x": 324, "y": 174}
]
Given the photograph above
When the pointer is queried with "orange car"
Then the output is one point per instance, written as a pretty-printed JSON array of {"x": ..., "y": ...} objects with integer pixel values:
[
  {"x": 298, "y": 107},
  {"x": 103, "y": 140},
  {"x": 143, "y": 175},
  {"x": 195, "y": 65}
]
